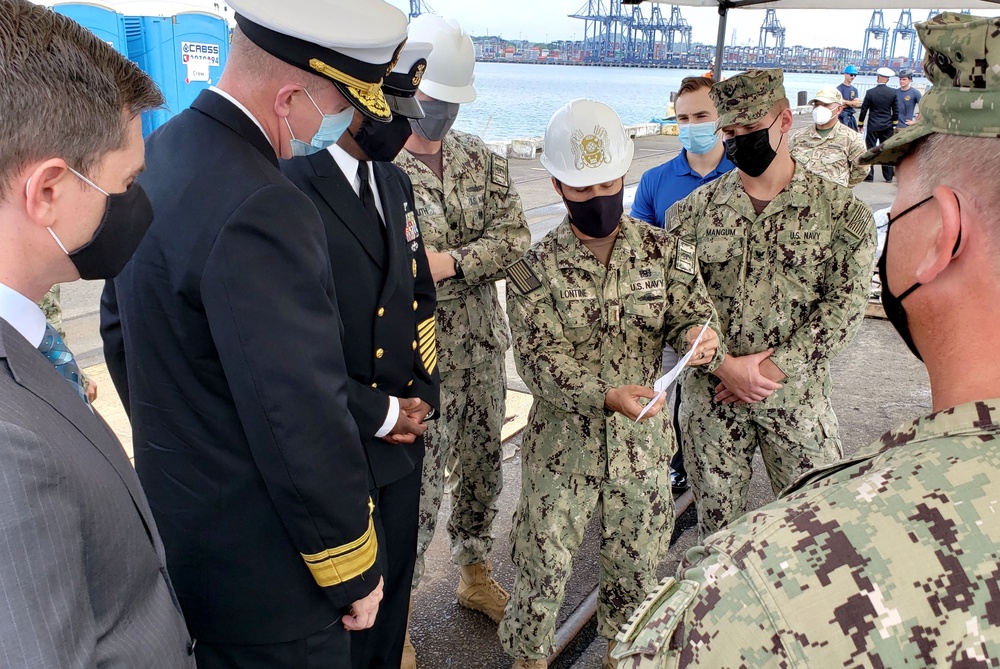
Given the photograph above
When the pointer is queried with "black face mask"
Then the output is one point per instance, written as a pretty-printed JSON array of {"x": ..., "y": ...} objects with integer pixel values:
[
  {"x": 126, "y": 219},
  {"x": 383, "y": 141},
  {"x": 893, "y": 304},
  {"x": 599, "y": 216},
  {"x": 438, "y": 118},
  {"x": 752, "y": 152}
]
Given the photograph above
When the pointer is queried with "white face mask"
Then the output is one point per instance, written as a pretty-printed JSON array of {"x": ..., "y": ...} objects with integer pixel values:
[{"x": 822, "y": 115}]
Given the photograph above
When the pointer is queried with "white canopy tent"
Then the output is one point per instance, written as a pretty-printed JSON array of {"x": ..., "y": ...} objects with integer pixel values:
[{"x": 725, "y": 5}]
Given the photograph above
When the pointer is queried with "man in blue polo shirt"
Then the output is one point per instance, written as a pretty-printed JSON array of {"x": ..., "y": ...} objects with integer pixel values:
[
  {"x": 703, "y": 159},
  {"x": 851, "y": 99}
]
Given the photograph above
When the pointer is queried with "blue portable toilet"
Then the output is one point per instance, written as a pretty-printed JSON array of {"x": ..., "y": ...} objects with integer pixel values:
[
  {"x": 102, "y": 20},
  {"x": 184, "y": 53}
]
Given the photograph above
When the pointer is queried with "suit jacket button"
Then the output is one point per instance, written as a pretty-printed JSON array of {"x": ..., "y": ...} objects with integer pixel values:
[
  {"x": 374, "y": 385},
  {"x": 381, "y": 312},
  {"x": 414, "y": 344},
  {"x": 414, "y": 305},
  {"x": 379, "y": 353}
]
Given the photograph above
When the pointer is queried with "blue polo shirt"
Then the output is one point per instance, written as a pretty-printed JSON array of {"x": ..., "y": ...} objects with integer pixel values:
[
  {"x": 908, "y": 101},
  {"x": 849, "y": 93},
  {"x": 674, "y": 180}
]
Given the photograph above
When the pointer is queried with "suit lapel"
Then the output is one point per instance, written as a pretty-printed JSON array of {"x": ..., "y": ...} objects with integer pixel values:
[
  {"x": 35, "y": 374},
  {"x": 345, "y": 204},
  {"x": 394, "y": 206}
]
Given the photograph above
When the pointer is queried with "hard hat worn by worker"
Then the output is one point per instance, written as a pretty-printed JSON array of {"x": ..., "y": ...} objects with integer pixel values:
[
  {"x": 850, "y": 69},
  {"x": 586, "y": 145},
  {"x": 449, "y": 76}
]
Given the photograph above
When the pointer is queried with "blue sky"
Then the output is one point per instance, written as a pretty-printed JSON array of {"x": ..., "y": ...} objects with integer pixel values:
[{"x": 541, "y": 20}]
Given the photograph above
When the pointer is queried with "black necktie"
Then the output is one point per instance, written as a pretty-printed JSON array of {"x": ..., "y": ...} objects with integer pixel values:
[{"x": 365, "y": 192}]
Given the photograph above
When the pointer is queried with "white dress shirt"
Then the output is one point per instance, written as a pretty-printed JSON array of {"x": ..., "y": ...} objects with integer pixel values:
[
  {"x": 348, "y": 164},
  {"x": 24, "y": 315}
]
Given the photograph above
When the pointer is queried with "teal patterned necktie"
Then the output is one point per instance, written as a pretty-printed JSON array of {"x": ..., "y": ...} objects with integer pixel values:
[{"x": 54, "y": 349}]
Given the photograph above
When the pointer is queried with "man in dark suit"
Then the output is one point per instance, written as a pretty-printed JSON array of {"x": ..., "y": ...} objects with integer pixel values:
[
  {"x": 83, "y": 580},
  {"x": 227, "y": 323},
  {"x": 387, "y": 303},
  {"x": 882, "y": 103}
]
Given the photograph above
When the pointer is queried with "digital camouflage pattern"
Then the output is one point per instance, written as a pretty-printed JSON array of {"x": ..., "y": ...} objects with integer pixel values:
[
  {"x": 796, "y": 279},
  {"x": 746, "y": 98},
  {"x": 580, "y": 329},
  {"x": 475, "y": 215},
  {"x": 52, "y": 308},
  {"x": 889, "y": 559},
  {"x": 962, "y": 62},
  {"x": 834, "y": 157}
]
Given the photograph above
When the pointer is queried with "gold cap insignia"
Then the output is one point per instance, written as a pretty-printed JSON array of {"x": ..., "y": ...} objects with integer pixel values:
[{"x": 419, "y": 74}]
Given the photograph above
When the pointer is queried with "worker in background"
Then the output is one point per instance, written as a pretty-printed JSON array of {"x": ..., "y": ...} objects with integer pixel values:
[
  {"x": 882, "y": 103},
  {"x": 909, "y": 98},
  {"x": 473, "y": 228},
  {"x": 850, "y": 96},
  {"x": 702, "y": 159},
  {"x": 827, "y": 147}
]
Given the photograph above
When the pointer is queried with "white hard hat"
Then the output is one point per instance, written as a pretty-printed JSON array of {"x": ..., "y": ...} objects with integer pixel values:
[
  {"x": 885, "y": 72},
  {"x": 586, "y": 144},
  {"x": 450, "y": 65}
]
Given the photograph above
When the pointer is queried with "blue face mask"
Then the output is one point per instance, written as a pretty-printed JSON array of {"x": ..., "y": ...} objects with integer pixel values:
[
  {"x": 330, "y": 129},
  {"x": 697, "y": 137}
]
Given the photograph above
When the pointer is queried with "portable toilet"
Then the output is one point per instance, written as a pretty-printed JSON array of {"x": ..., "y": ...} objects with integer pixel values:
[
  {"x": 102, "y": 20},
  {"x": 184, "y": 53}
]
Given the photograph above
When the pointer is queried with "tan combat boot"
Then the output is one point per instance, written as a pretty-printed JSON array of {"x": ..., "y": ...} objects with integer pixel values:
[
  {"x": 530, "y": 664},
  {"x": 610, "y": 662},
  {"x": 409, "y": 652},
  {"x": 479, "y": 592}
]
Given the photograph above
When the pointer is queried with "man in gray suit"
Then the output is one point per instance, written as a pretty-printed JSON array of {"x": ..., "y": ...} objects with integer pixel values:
[{"x": 83, "y": 581}]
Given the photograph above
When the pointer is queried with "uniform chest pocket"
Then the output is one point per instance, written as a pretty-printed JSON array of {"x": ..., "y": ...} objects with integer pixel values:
[
  {"x": 645, "y": 296},
  {"x": 580, "y": 314},
  {"x": 720, "y": 249},
  {"x": 473, "y": 204},
  {"x": 804, "y": 253}
]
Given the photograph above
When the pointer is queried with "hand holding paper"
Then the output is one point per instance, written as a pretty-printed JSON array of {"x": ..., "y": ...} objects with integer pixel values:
[{"x": 664, "y": 381}]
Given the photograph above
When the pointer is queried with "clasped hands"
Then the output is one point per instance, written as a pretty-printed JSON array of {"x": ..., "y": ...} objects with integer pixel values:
[
  {"x": 747, "y": 378},
  {"x": 410, "y": 423},
  {"x": 626, "y": 399}
]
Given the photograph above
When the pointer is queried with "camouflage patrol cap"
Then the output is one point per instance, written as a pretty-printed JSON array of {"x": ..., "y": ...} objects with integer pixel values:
[
  {"x": 747, "y": 97},
  {"x": 963, "y": 65}
]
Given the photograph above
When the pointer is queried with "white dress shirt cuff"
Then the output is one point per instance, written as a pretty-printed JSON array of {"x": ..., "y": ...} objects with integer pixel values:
[{"x": 390, "y": 418}]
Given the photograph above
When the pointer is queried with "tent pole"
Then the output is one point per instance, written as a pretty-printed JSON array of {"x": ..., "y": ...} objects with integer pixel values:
[{"x": 720, "y": 42}]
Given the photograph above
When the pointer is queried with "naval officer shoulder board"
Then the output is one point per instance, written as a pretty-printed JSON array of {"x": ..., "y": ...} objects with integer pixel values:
[{"x": 524, "y": 279}]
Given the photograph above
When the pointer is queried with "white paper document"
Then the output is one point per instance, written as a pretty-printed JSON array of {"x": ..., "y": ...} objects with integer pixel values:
[{"x": 664, "y": 381}]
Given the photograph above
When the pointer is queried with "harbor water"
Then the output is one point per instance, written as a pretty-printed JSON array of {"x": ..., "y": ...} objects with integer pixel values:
[{"x": 516, "y": 99}]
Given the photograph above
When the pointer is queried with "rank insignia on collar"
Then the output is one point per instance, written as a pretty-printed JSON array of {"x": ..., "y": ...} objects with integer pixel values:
[{"x": 412, "y": 230}]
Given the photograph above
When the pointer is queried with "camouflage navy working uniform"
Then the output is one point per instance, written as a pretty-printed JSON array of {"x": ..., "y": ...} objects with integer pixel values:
[
  {"x": 795, "y": 278},
  {"x": 475, "y": 215},
  {"x": 580, "y": 329},
  {"x": 52, "y": 308},
  {"x": 834, "y": 156},
  {"x": 890, "y": 559}
]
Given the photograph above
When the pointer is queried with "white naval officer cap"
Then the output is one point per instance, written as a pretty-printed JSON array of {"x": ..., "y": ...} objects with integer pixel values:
[
  {"x": 885, "y": 72},
  {"x": 354, "y": 43},
  {"x": 400, "y": 85}
]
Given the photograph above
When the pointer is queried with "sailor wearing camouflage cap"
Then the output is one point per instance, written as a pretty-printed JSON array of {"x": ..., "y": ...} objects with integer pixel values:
[
  {"x": 888, "y": 559},
  {"x": 786, "y": 256}
]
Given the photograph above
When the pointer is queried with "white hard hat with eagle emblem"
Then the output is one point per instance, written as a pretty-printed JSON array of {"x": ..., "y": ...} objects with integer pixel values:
[{"x": 586, "y": 144}]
